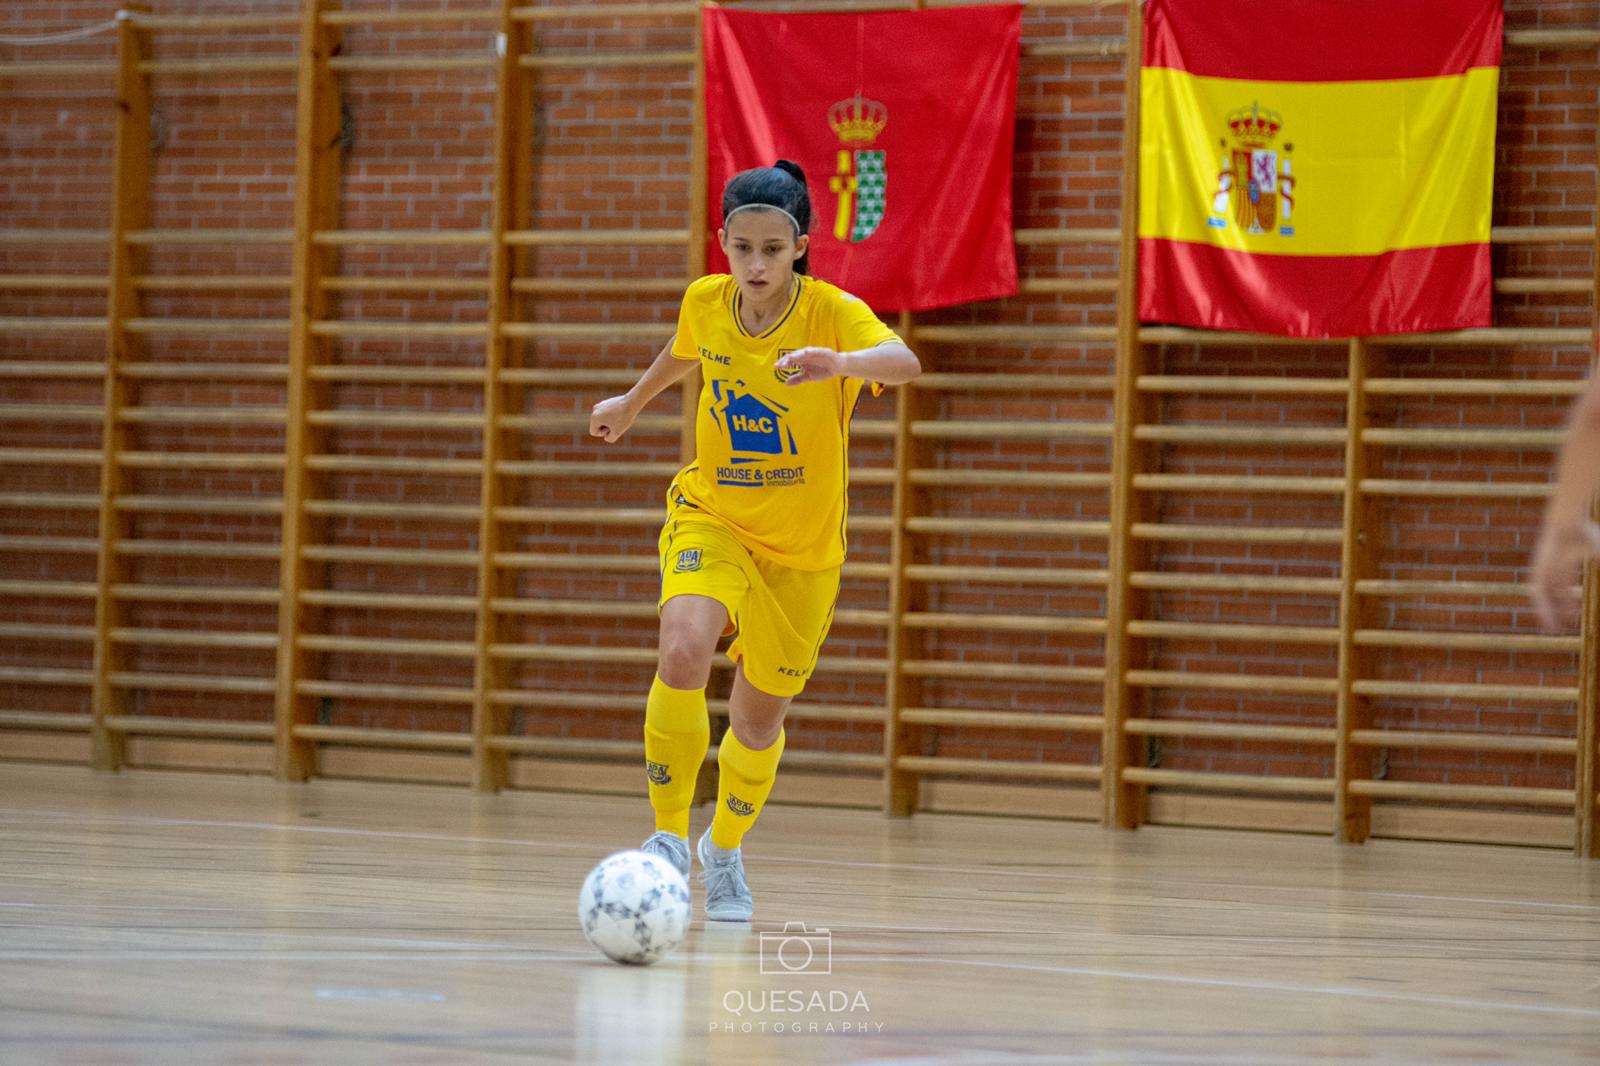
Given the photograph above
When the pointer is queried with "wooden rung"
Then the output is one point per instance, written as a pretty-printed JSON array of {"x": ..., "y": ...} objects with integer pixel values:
[
  {"x": 264, "y": 686},
  {"x": 1544, "y": 285},
  {"x": 42, "y": 369},
  {"x": 619, "y": 516},
  {"x": 1315, "y": 586},
  {"x": 1227, "y": 338},
  {"x": 1498, "y": 589},
  {"x": 1435, "y": 690},
  {"x": 157, "y": 67},
  {"x": 1007, "y": 527},
  {"x": 194, "y": 638},
  {"x": 546, "y": 699},
  {"x": 1414, "y": 738},
  {"x": 600, "y": 286},
  {"x": 1245, "y": 783},
  {"x": 1009, "y": 575},
  {"x": 1274, "y": 734},
  {"x": 198, "y": 505},
  {"x": 568, "y": 747},
  {"x": 578, "y": 608},
  {"x": 1050, "y": 723},
  {"x": 150, "y": 725},
  {"x": 192, "y": 416},
  {"x": 1252, "y": 634},
  {"x": 394, "y": 418},
  {"x": 1221, "y": 383},
  {"x": 1188, "y": 679},
  {"x": 571, "y": 653},
  {"x": 399, "y": 329},
  {"x": 390, "y": 601},
  {"x": 1085, "y": 46},
  {"x": 39, "y": 675},
  {"x": 1243, "y": 483},
  {"x": 420, "y": 64},
  {"x": 198, "y": 549},
  {"x": 75, "y": 590},
  {"x": 1503, "y": 439},
  {"x": 1472, "y": 386},
  {"x": 331, "y": 553},
  {"x": 49, "y": 545},
  {"x": 1008, "y": 672},
  {"x": 1066, "y": 235},
  {"x": 51, "y": 324},
  {"x": 419, "y": 739},
  {"x": 1239, "y": 534},
  {"x": 205, "y": 371},
  {"x": 1028, "y": 384},
  {"x": 49, "y": 457},
  {"x": 1036, "y": 286},
  {"x": 1540, "y": 234},
  {"x": 209, "y": 23},
  {"x": 410, "y": 237},
  {"x": 1558, "y": 37},
  {"x": 193, "y": 594},
  {"x": 427, "y": 283},
  {"x": 587, "y": 60},
  {"x": 603, "y": 564},
  {"x": 405, "y": 16},
  {"x": 46, "y": 721},
  {"x": 866, "y": 475},
  {"x": 869, "y": 428},
  {"x": 819, "y": 712},
  {"x": 400, "y": 375},
  {"x": 656, "y": 331},
  {"x": 364, "y": 690},
  {"x": 1038, "y": 479},
  {"x": 1495, "y": 336},
  {"x": 1529, "y": 642},
  {"x": 201, "y": 460},
  {"x": 54, "y": 236},
  {"x": 460, "y": 512},
  {"x": 1241, "y": 434},
  {"x": 579, "y": 423},
  {"x": 40, "y": 631},
  {"x": 870, "y": 523},
  {"x": 207, "y": 326},
  {"x": 53, "y": 282},
  {"x": 213, "y": 282},
  {"x": 59, "y": 501},
  {"x": 564, "y": 12},
  {"x": 443, "y": 649},
  {"x": 1447, "y": 793},
  {"x": 371, "y": 464},
  {"x": 575, "y": 378},
  {"x": 1530, "y": 490},
  {"x": 56, "y": 67},
  {"x": 209, "y": 236},
  {"x": 946, "y": 766},
  {"x": 1024, "y": 623},
  {"x": 523, "y": 238},
  {"x": 51, "y": 412},
  {"x": 1016, "y": 336}
]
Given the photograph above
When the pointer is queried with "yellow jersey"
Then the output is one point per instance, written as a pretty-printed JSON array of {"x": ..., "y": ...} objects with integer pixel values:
[{"x": 772, "y": 461}]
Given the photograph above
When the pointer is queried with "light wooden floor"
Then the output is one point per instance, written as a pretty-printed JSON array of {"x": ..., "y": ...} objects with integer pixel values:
[{"x": 176, "y": 918}]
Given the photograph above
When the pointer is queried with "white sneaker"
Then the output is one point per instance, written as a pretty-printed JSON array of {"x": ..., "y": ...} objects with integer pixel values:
[
  {"x": 727, "y": 892},
  {"x": 669, "y": 846}
]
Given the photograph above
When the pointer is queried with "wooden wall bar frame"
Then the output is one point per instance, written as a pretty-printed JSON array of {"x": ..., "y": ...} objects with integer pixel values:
[{"x": 1358, "y": 562}]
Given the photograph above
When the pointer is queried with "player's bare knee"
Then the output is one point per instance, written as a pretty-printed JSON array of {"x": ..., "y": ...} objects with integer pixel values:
[
  {"x": 682, "y": 662},
  {"x": 756, "y": 736}
]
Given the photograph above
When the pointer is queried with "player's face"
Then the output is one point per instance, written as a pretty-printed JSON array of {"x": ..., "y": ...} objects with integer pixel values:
[{"x": 761, "y": 248}]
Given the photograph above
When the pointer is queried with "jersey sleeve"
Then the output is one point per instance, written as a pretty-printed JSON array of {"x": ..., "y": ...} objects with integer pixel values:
[
  {"x": 686, "y": 345},
  {"x": 858, "y": 327}
]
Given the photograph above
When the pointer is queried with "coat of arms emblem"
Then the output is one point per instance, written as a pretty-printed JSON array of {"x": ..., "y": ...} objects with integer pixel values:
[
  {"x": 862, "y": 179},
  {"x": 1255, "y": 182}
]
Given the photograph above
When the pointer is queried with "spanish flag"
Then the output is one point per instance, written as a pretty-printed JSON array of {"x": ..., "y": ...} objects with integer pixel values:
[{"x": 1318, "y": 168}]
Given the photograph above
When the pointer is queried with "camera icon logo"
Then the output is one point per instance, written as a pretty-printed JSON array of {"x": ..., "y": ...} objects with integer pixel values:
[{"x": 797, "y": 950}]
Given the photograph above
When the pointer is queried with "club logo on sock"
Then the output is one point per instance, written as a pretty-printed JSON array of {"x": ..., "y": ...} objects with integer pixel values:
[
  {"x": 688, "y": 561},
  {"x": 657, "y": 772},
  {"x": 740, "y": 807}
]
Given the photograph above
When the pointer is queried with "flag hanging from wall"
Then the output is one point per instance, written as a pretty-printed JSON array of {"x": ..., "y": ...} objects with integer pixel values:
[
  {"x": 903, "y": 123},
  {"x": 1318, "y": 168}
]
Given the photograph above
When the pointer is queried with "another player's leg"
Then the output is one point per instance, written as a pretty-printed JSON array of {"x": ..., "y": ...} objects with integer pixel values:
[
  {"x": 677, "y": 728},
  {"x": 747, "y": 763}
]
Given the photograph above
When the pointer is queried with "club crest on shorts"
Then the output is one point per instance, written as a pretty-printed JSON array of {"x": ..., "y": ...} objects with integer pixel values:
[
  {"x": 739, "y": 806},
  {"x": 657, "y": 772},
  {"x": 688, "y": 561}
]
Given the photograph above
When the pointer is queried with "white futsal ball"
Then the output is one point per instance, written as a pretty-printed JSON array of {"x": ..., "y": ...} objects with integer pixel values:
[{"x": 634, "y": 907}]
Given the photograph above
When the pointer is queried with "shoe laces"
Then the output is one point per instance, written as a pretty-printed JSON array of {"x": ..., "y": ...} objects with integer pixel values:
[{"x": 725, "y": 877}]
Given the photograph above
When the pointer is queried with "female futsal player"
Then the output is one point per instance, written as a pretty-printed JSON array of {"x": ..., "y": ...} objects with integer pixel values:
[
  {"x": 1568, "y": 537},
  {"x": 755, "y": 530}
]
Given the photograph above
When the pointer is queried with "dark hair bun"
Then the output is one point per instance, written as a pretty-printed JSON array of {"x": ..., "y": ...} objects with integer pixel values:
[{"x": 791, "y": 169}]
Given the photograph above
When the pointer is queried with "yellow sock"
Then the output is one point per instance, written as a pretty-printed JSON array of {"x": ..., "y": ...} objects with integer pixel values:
[
  {"x": 744, "y": 781},
  {"x": 677, "y": 732}
]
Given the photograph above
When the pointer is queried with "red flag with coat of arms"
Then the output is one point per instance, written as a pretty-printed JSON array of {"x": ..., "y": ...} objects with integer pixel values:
[{"x": 903, "y": 122}]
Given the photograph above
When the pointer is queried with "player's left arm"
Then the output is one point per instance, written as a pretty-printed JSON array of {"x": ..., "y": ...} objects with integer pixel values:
[{"x": 890, "y": 363}]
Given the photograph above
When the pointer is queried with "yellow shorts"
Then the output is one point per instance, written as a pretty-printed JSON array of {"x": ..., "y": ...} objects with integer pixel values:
[{"x": 781, "y": 614}]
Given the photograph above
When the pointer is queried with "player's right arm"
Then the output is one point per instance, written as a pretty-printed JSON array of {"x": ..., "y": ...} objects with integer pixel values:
[
  {"x": 611, "y": 418},
  {"x": 1567, "y": 536}
]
